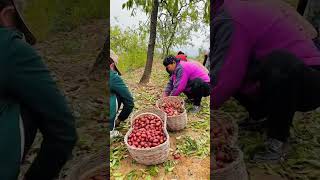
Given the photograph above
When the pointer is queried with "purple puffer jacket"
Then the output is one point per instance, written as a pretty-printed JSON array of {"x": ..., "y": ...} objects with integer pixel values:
[
  {"x": 183, "y": 74},
  {"x": 242, "y": 33}
]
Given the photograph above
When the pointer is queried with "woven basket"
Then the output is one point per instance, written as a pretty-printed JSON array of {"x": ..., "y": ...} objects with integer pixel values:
[
  {"x": 178, "y": 122},
  {"x": 170, "y": 98},
  {"x": 87, "y": 166},
  {"x": 225, "y": 117},
  {"x": 234, "y": 171},
  {"x": 154, "y": 155}
]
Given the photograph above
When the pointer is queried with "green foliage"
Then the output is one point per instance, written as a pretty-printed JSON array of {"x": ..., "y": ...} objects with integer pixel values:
[
  {"x": 116, "y": 155},
  {"x": 168, "y": 166},
  {"x": 194, "y": 147},
  {"x": 177, "y": 19},
  {"x": 153, "y": 170},
  {"x": 131, "y": 47},
  {"x": 49, "y": 16}
]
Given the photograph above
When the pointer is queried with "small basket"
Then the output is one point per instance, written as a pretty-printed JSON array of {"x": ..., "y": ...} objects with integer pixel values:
[
  {"x": 87, "y": 166},
  {"x": 178, "y": 122},
  {"x": 154, "y": 155},
  {"x": 226, "y": 117},
  {"x": 235, "y": 170},
  {"x": 170, "y": 98}
]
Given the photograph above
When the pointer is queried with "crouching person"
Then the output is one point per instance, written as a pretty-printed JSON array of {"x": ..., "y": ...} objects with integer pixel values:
[
  {"x": 120, "y": 95},
  {"x": 189, "y": 78}
]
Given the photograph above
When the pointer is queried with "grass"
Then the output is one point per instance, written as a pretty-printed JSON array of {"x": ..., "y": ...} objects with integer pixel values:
[
  {"x": 169, "y": 166},
  {"x": 116, "y": 155},
  {"x": 190, "y": 146}
]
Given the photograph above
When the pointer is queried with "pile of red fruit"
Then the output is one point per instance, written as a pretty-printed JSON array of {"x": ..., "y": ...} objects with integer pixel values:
[
  {"x": 172, "y": 108},
  {"x": 222, "y": 157},
  {"x": 223, "y": 132},
  {"x": 147, "y": 132}
]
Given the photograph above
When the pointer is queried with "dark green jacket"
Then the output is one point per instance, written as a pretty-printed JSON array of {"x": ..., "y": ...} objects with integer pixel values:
[
  {"x": 120, "y": 94},
  {"x": 28, "y": 91}
]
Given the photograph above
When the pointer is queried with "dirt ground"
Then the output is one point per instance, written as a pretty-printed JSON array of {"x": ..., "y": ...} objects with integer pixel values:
[
  {"x": 188, "y": 166},
  {"x": 70, "y": 56}
]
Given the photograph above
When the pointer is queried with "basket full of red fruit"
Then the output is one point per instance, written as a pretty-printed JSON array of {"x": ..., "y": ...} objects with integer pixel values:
[
  {"x": 148, "y": 140},
  {"x": 224, "y": 127},
  {"x": 174, "y": 108},
  {"x": 228, "y": 164}
]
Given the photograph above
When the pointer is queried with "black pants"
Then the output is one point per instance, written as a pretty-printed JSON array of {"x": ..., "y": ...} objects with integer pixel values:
[
  {"x": 199, "y": 89},
  {"x": 287, "y": 86}
]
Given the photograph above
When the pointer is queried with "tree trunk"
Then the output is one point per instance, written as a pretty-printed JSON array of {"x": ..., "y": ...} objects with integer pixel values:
[
  {"x": 152, "y": 40},
  {"x": 100, "y": 66}
]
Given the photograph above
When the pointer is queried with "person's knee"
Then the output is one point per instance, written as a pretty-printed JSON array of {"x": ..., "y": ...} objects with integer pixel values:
[{"x": 280, "y": 65}]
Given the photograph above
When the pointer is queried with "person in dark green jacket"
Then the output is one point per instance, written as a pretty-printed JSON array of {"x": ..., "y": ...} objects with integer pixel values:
[
  {"x": 120, "y": 95},
  {"x": 29, "y": 101}
]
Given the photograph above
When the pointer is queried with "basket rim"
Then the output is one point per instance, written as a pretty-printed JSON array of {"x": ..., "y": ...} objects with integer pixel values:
[
  {"x": 141, "y": 149},
  {"x": 181, "y": 114},
  {"x": 168, "y": 97},
  {"x": 136, "y": 115}
]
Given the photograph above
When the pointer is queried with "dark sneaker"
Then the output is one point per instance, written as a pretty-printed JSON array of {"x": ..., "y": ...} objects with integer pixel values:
[
  {"x": 114, "y": 133},
  {"x": 252, "y": 124},
  {"x": 195, "y": 109},
  {"x": 274, "y": 151}
]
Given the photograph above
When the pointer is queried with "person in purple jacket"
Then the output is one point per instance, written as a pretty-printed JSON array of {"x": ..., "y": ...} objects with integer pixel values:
[
  {"x": 189, "y": 78},
  {"x": 260, "y": 57}
]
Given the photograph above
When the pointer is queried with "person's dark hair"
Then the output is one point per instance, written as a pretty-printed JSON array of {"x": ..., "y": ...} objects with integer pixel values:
[
  {"x": 180, "y": 52},
  {"x": 170, "y": 60}
]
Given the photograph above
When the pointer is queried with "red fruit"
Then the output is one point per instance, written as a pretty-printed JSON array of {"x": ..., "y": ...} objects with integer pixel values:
[{"x": 176, "y": 156}]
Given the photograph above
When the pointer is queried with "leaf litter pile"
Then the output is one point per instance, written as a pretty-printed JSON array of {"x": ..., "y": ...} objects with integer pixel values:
[{"x": 189, "y": 148}]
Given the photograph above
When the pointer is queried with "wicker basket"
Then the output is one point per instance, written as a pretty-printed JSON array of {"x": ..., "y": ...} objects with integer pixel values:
[
  {"x": 225, "y": 117},
  {"x": 154, "y": 155},
  {"x": 87, "y": 166},
  {"x": 178, "y": 122},
  {"x": 234, "y": 171},
  {"x": 170, "y": 98}
]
